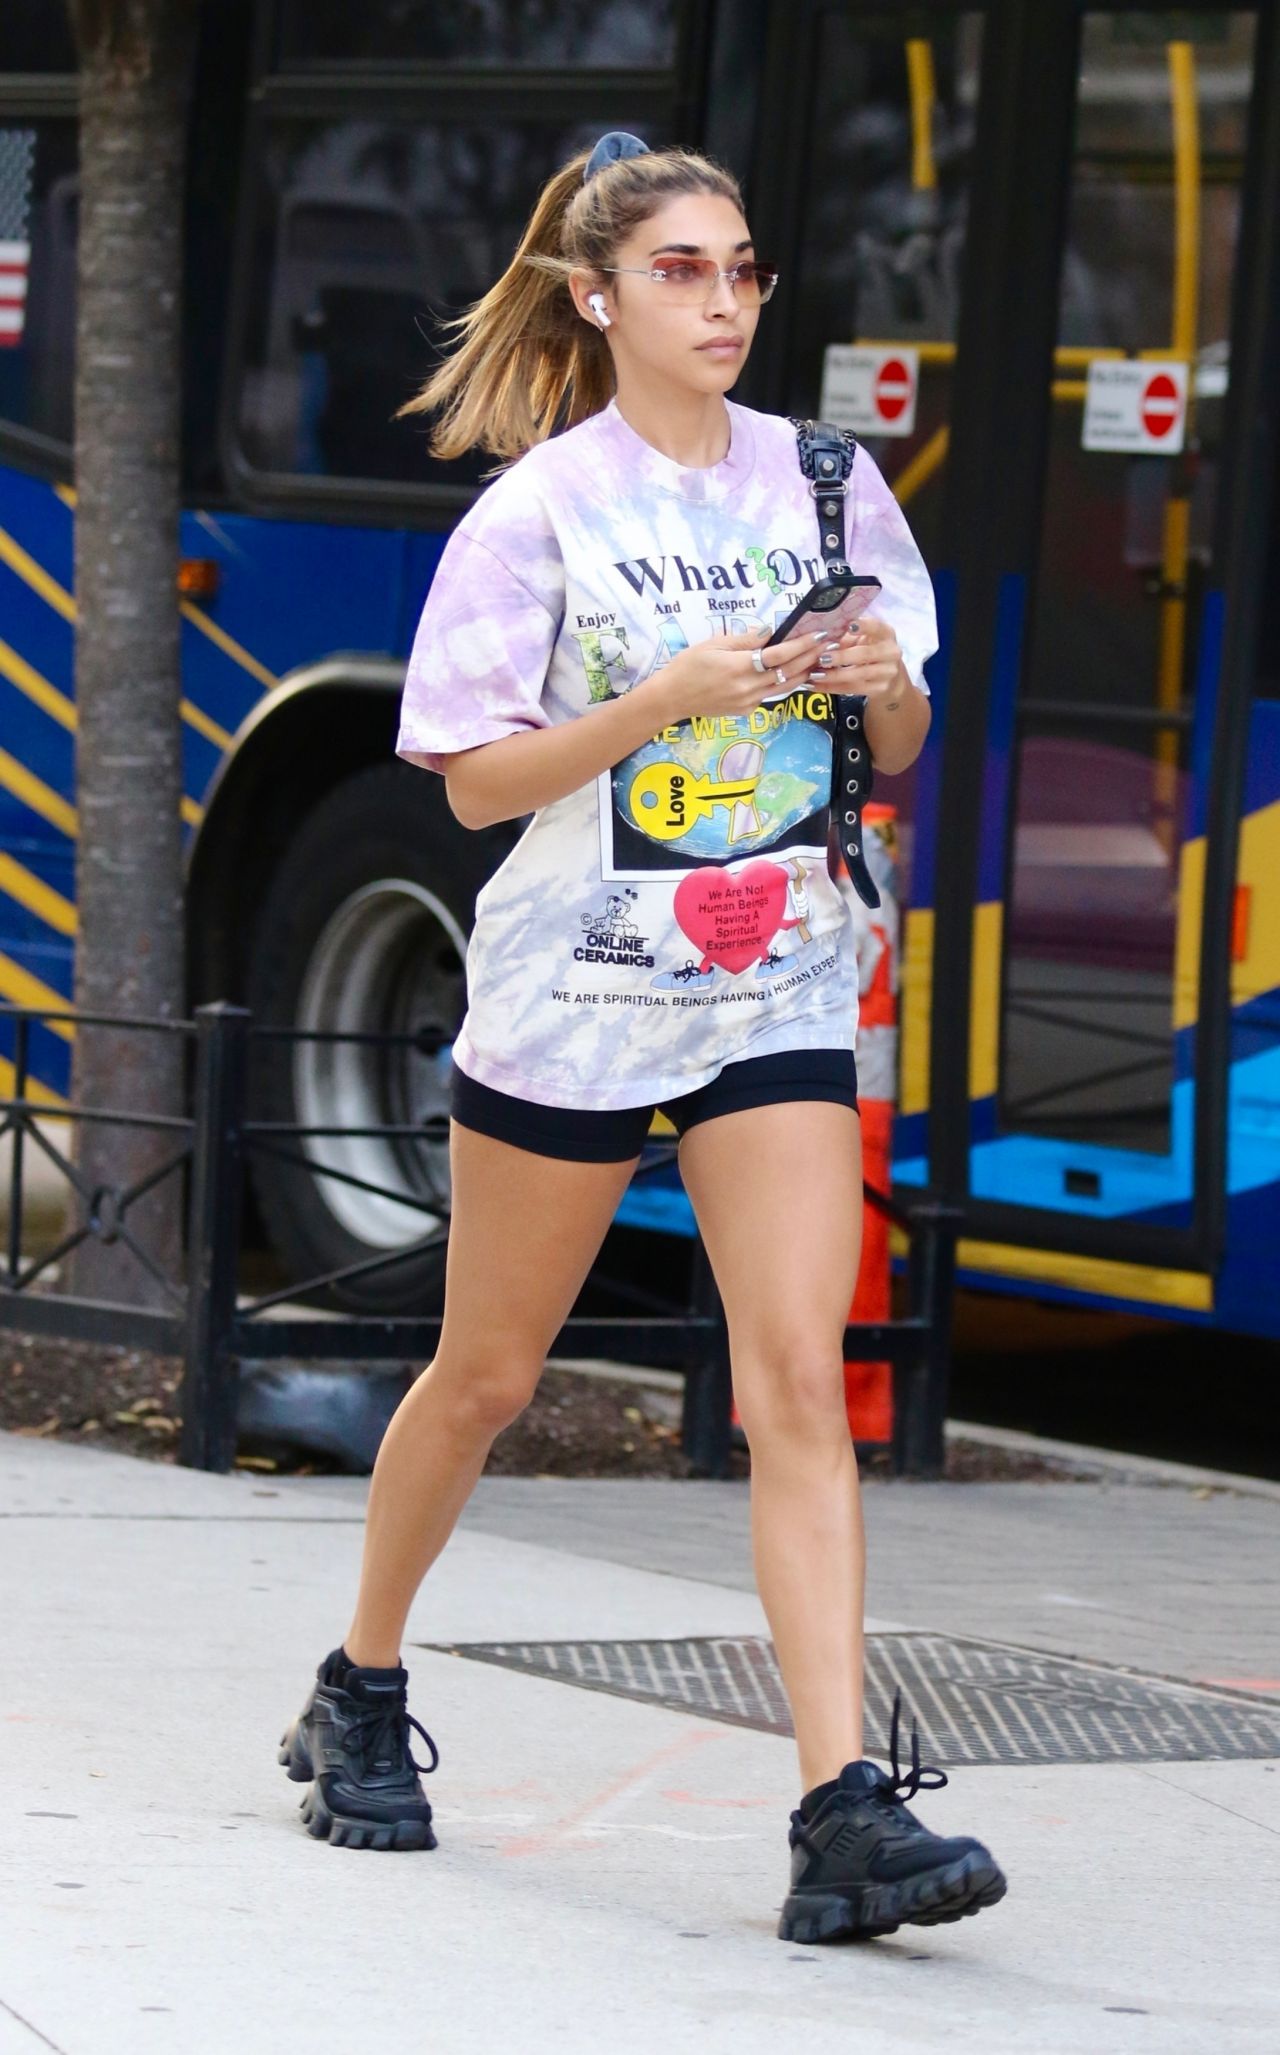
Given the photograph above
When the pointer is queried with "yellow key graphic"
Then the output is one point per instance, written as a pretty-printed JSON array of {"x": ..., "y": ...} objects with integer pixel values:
[{"x": 667, "y": 800}]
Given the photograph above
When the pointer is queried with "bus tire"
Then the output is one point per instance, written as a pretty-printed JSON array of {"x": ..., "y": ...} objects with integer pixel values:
[{"x": 364, "y": 926}]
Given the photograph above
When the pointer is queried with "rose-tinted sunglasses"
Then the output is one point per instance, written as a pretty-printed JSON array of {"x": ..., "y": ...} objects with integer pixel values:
[{"x": 692, "y": 279}]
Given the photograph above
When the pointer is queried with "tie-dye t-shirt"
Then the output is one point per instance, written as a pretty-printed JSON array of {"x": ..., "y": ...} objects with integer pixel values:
[{"x": 676, "y": 913}]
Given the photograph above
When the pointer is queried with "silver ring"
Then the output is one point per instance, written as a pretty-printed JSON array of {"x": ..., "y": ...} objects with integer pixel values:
[{"x": 757, "y": 661}]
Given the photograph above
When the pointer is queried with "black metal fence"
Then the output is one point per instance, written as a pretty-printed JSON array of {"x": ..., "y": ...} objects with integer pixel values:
[{"x": 216, "y": 1327}]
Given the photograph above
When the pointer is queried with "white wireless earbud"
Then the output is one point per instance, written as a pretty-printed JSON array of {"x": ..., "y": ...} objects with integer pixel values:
[{"x": 596, "y": 303}]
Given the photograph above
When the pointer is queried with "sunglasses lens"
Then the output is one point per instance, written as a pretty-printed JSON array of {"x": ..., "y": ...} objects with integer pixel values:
[
  {"x": 685, "y": 276},
  {"x": 693, "y": 278},
  {"x": 752, "y": 282}
]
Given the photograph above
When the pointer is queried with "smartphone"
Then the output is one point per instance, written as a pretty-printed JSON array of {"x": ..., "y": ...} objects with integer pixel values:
[{"x": 833, "y": 604}]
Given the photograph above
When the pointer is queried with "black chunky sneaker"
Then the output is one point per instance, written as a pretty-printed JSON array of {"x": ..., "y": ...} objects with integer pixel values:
[
  {"x": 352, "y": 1736},
  {"x": 861, "y": 1864}
]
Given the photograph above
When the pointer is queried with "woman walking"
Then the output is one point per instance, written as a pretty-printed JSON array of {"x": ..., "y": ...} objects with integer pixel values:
[{"x": 594, "y": 651}]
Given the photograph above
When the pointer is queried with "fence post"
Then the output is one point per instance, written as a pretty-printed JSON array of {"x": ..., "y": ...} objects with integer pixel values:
[
  {"x": 708, "y": 1384},
  {"x": 21, "y": 1028},
  {"x": 921, "y": 1384},
  {"x": 210, "y": 1372}
]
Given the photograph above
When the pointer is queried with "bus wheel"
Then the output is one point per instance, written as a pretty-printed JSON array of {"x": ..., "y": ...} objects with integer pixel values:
[{"x": 364, "y": 927}]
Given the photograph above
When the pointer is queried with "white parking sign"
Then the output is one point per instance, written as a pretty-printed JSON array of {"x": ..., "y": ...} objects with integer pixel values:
[{"x": 1136, "y": 407}]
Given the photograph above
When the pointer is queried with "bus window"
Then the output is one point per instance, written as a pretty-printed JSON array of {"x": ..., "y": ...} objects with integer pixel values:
[
  {"x": 888, "y": 144},
  {"x": 1100, "y": 943},
  {"x": 369, "y": 232},
  {"x": 618, "y": 35},
  {"x": 39, "y": 191},
  {"x": 36, "y": 36}
]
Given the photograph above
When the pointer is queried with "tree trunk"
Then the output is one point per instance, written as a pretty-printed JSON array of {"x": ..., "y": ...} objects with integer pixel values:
[{"x": 136, "y": 59}]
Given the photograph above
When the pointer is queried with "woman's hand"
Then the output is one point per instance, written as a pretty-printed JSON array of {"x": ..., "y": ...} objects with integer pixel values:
[
  {"x": 718, "y": 677},
  {"x": 865, "y": 660}
]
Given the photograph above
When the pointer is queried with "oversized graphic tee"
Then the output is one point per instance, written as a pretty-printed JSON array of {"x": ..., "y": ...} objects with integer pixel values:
[{"x": 676, "y": 913}]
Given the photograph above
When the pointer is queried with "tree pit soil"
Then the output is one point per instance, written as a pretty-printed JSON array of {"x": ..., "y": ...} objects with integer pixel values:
[{"x": 576, "y": 1425}]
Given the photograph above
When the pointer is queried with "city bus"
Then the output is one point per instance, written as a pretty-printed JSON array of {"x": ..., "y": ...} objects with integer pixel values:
[{"x": 1028, "y": 253}]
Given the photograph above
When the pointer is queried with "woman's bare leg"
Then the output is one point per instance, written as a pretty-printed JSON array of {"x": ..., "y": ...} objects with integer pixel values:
[
  {"x": 524, "y": 1233},
  {"x": 784, "y": 1247}
]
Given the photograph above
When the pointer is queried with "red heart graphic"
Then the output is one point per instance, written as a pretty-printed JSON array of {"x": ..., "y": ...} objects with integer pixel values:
[{"x": 732, "y": 917}]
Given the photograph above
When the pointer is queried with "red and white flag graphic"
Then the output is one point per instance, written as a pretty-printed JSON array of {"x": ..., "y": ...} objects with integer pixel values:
[{"x": 17, "y": 165}]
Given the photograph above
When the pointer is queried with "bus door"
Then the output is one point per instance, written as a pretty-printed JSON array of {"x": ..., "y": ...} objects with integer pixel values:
[
  {"x": 1095, "y": 1084},
  {"x": 1019, "y": 249}
]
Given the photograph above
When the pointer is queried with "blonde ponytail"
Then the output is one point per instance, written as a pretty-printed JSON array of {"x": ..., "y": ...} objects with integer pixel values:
[{"x": 526, "y": 362}]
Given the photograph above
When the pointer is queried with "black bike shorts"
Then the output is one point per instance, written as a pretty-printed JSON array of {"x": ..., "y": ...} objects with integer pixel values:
[{"x": 610, "y": 1136}]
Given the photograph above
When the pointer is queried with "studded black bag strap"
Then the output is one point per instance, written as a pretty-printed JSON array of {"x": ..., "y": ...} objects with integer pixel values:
[{"x": 826, "y": 459}]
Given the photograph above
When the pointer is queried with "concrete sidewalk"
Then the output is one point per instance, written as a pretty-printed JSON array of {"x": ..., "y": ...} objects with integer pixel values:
[{"x": 609, "y": 1871}]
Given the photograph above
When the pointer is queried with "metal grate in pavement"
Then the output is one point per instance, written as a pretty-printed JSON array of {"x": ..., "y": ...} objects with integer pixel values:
[{"x": 972, "y": 1701}]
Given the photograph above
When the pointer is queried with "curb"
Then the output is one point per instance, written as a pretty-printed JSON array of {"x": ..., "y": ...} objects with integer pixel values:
[
  {"x": 1114, "y": 1462},
  {"x": 1107, "y": 1462}
]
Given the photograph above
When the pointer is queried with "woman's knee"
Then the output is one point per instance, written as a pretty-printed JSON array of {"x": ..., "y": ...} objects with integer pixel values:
[
  {"x": 794, "y": 1390},
  {"x": 489, "y": 1387}
]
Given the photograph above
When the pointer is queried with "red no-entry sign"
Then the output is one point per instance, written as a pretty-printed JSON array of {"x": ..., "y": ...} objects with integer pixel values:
[
  {"x": 1161, "y": 405},
  {"x": 893, "y": 389},
  {"x": 1136, "y": 407},
  {"x": 871, "y": 387}
]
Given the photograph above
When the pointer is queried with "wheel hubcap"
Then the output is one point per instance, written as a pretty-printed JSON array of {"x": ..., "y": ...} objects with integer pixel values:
[{"x": 391, "y": 957}]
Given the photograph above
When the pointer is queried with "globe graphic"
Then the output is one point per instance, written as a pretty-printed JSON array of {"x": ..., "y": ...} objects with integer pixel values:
[{"x": 794, "y": 779}]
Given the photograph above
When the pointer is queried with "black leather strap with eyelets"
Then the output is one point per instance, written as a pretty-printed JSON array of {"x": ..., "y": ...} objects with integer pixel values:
[{"x": 826, "y": 458}]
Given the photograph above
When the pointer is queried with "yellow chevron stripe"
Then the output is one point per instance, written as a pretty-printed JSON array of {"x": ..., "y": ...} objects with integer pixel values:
[
  {"x": 19, "y": 986},
  {"x": 928, "y": 458},
  {"x": 38, "y": 1094},
  {"x": 1101, "y": 1275},
  {"x": 33, "y": 574},
  {"x": 203, "y": 725},
  {"x": 199, "y": 619},
  {"x": 33, "y": 792},
  {"x": 227, "y": 643},
  {"x": 38, "y": 898},
  {"x": 1259, "y": 971},
  {"x": 915, "y": 1002},
  {"x": 1186, "y": 947},
  {"x": 42, "y": 800},
  {"x": 46, "y": 696},
  {"x": 984, "y": 998},
  {"x": 56, "y": 704}
]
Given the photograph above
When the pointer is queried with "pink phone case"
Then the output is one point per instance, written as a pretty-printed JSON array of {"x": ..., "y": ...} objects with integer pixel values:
[{"x": 832, "y": 621}]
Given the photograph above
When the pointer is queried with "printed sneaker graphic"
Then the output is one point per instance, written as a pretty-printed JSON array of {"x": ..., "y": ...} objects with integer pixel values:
[
  {"x": 688, "y": 978},
  {"x": 776, "y": 963}
]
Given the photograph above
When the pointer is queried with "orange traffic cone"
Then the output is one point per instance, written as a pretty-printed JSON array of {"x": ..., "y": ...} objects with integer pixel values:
[{"x": 868, "y": 1387}]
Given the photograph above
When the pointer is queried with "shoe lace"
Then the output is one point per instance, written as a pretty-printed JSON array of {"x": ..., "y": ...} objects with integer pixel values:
[
  {"x": 893, "y": 1792},
  {"x": 378, "y": 1729},
  {"x": 928, "y": 1778}
]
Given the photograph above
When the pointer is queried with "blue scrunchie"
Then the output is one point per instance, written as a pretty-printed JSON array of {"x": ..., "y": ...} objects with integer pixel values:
[{"x": 612, "y": 146}]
